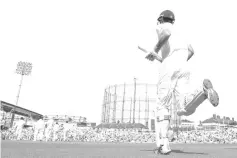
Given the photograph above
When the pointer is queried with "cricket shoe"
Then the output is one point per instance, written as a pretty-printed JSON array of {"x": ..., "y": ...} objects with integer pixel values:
[
  {"x": 165, "y": 149},
  {"x": 157, "y": 150},
  {"x": 165, "y": 152},
  {"x": 210, "y": 92}
]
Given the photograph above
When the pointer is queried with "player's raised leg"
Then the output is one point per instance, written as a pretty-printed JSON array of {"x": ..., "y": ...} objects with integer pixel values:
[{"x": 192, "y": 100}]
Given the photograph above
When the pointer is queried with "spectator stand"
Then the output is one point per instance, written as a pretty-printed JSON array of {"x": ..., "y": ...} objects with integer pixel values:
[
  {"x": 7, "y": 111},
  {"x": 64, "y": 118},
  {"x": 123, "y": 126}
]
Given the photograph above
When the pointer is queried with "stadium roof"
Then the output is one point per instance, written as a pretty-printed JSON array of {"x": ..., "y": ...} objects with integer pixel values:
[{"x": 7, "y": 107}]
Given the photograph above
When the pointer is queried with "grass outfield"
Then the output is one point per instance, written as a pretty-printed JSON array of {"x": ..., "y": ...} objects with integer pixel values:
[{"x": 29, "y": 149}]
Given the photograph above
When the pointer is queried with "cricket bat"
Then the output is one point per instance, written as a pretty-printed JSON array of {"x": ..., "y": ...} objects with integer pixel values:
[{"x": 142, "y": 49}]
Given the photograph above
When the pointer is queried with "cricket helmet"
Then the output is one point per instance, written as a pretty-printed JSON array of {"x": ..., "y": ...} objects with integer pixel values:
[{"x": 166, "y": 16}]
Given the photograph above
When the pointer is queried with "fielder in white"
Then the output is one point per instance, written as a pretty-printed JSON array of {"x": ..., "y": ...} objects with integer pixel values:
[
  {"x": 66, "y": 128},
  {"x": 19, "y": 127},
  {"x": 55, "y": 131},
  {"x": 176, "y": 86},
  {"x": 49, "y": 129},
  {"x": 39, "y": 129}
]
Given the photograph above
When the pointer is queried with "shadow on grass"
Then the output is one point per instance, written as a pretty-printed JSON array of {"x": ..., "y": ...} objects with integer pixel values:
[
  {"x": 181, "y": 152},
  {"x": 231, "y": 148}
]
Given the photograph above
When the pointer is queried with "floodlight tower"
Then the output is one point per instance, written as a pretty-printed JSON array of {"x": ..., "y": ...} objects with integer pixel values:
[{"x": 24, "y": 69}]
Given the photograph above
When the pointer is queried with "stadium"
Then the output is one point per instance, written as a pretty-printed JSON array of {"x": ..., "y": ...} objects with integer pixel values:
[
  {"x": 77, "y": 48},
  {"x": 127, "y": 125},
  {"x": 214, "y": 137}
]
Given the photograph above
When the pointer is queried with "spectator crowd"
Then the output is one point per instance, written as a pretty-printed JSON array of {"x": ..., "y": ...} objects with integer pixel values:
[{"x": 54, "y": 131}]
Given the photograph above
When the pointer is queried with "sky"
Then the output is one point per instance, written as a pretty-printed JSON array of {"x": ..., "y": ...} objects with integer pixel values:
[{"x": 79, "y": 48}]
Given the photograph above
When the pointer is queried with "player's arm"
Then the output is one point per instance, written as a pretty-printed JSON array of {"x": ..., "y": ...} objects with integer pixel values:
[
  {"x": 163, "y": 38},
  {"x": 190, "y": 51}
]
